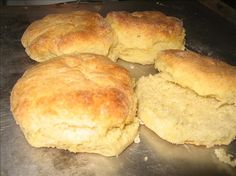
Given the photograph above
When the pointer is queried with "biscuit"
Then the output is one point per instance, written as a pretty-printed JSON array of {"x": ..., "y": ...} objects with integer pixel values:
[
  {"x": 80, "y": 103},
  {"x": 173, "y": 104},
  {"x": 68, "y": 33},
  {"x": 139, "y": 36},
  {"x": 206, "y": 76}
]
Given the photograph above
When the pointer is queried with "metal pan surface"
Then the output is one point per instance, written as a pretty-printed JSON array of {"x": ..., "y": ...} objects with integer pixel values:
[{"x": 207, "y": 33}]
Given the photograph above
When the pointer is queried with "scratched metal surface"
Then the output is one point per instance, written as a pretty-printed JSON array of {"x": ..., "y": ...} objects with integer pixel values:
[{"x": 206, "y": 33}]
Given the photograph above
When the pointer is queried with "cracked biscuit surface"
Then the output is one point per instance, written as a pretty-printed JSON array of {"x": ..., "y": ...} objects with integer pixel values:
[{"x": 191, "y": 100}]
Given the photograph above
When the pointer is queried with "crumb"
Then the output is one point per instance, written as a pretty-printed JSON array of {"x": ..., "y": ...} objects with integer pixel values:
[
  {"x": 224, "y": 157},
  {"x": 131, "y": 66},
  {"x": 141, "y": 122},
  {"x": 145, "y": 158},
  {"x": 137, "y": 139}
]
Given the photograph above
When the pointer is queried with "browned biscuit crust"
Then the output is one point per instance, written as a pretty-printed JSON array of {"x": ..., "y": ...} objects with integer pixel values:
[
  {"x": 82, "y": 103},
  {"x": 69, "y": 33},
  {"x": 141, "y": 35},
  {"x": 205, "y": 75}
]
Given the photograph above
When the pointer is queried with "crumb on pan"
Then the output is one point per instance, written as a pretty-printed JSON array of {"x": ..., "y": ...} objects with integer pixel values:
[
  {"x": 137, "y": 139},
  {"x": 145, "y": 158},
  {"x": 225, "y": 158}
]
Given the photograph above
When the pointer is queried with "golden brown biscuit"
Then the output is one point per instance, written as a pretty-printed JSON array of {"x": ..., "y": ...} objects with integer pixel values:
[
  {"x": 173, "y": 107},
  {"x": 141, "y": 35},
  {"x": 205, "y": 75},
  {"x": 82, "y": 103},
  {"x": 69, "y": 33}
]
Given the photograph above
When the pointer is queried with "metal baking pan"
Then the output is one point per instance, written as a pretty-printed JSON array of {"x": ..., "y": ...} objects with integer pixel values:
[{"x": 207, "y": 33}]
